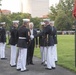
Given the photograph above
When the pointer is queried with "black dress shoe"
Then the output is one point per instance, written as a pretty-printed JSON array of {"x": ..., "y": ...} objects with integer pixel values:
[
  {"x": 25, "y": 70},
  {"x": 56, "y": 61},
  {"x": 32, "y": 63},
  {"x": 53, "y": 67},
  {"x": 48, "y": 68},
  {"x": 18, "y": 69},
  {"x": 27, "y": 63},
  {"x": 13, "y": 65},
  {"x": 42, "y": 63},
  {"x": 3, "y": 58},
  {"x": 45, "y": 65}
]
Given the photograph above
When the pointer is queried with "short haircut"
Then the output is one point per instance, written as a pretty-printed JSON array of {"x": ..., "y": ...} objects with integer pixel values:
[{"x": 31, "y": 23}]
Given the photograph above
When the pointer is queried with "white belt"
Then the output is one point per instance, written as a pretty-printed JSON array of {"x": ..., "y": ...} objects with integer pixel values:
[{"x": 22, "y": 38}]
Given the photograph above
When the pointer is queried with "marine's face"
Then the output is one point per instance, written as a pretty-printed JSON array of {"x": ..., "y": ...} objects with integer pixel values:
[
  {"x": 4, "y": 25},
  {"x": 16, "y": 25},
  {"x": 46, "y": 23},
  {"x": 26, "y": 24}
]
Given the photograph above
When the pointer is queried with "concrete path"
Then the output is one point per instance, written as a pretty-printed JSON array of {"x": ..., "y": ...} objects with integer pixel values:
[{"x": 36, "y": 69}]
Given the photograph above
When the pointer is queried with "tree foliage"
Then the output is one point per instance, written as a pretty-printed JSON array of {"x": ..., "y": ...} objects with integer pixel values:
[
  {"x": 62, "y": 14},
  {"x": 19, "y": 16},
  {"x": 62, "y": 22},
  {"x": 36, "y": 22}
]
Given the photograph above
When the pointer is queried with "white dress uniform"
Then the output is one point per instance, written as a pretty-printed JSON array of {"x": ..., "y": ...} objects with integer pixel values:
[
  {"x": 55, "y": 44},
  {"x": 50, "y": 43},
  {"x": 2, "y": 40},
  {"x": 43, "y": 47},
  {"x": 23, "y": 38},
  {"x": 13, "y": 43},
  {"x": 55, "y": 41}
]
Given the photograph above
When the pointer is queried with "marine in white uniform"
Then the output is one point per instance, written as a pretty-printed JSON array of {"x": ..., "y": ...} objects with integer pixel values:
[
  {"x": 2, "y": 40},
  {"x": 50, "y": 43},
  {"x": 23, "y": 39},
  {"x": 43, "y": 46},
  {"x": 13, "y": 42},
  {"x": 55, "y": 40}
]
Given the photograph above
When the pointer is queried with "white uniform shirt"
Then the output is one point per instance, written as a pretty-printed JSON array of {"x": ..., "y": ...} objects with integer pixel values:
[
  {"x": 32, "y": 36},
  {"x": 31, "y": 30}
]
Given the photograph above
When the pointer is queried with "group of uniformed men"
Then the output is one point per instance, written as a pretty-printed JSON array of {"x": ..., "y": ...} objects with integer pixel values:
[{"x": 25, "y": 38}]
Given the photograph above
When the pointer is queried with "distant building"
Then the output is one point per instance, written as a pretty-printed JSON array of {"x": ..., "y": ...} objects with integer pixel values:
[
  {"x": 5, "y": 12},
  {"x": 44, "y": 17},
  {"x": 37, "y": 8}
]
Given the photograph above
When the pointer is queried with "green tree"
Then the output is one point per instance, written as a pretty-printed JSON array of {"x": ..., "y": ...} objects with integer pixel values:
[
  {"x": 14, "y": 16},
  {"x": 18, "y": 16},
  {"x": 62, "y": 22},
  {"x": 64, "y": 6},
  {"x": 36, "y": 22},
  {"x": 53, "y": 13},
  {"x": 6, "y": 18}
]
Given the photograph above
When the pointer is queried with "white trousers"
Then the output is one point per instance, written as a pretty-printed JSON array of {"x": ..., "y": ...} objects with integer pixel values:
[
  {"x": 21, "y": 62},
  {"x": 2, "y": 50},
  {"x": 55, "y": 53},
  {"x": 45, "y": 55},
  {"x": 13, "y": 55},
  {"x": 50, "y": 57},
  {"x": 43, "y": 51}
]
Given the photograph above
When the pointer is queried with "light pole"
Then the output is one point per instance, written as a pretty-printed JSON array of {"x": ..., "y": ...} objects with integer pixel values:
[
  {"x": 74, "y": 15},
  {"x": 75, "y": 43}
]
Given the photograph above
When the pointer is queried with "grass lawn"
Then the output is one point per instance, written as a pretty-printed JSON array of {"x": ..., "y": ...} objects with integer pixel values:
[{"x": 66, "y": 52}]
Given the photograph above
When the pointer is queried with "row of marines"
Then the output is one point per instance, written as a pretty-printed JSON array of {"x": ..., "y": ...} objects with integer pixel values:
[{"x": 26, "y": 38}]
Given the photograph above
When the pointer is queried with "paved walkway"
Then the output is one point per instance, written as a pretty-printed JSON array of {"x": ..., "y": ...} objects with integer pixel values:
[{"x": 36, "y": 69}]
